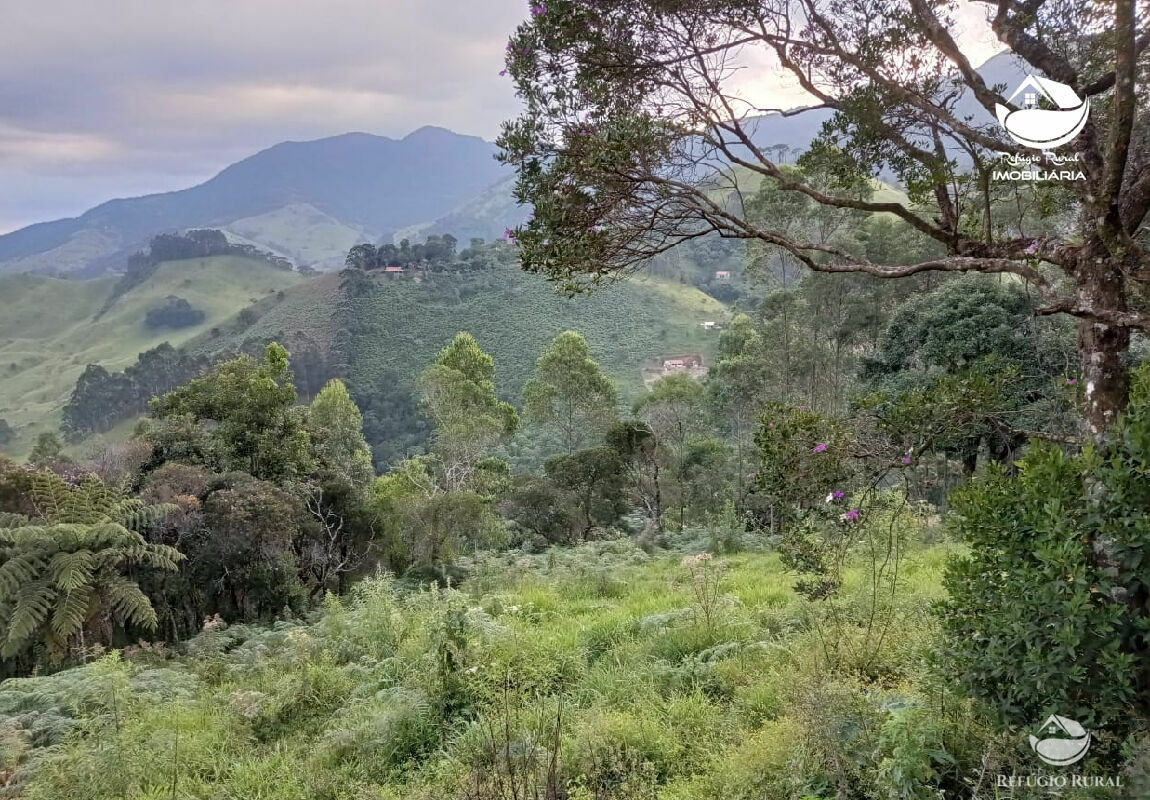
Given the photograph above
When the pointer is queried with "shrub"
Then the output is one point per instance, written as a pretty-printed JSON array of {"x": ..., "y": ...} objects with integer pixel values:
[{"x": 1049, "y": 613}]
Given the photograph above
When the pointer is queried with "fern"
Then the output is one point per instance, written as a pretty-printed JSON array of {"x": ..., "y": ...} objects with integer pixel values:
[{"x": 64, "y": 569}]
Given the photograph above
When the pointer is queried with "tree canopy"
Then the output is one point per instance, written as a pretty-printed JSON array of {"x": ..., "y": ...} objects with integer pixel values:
[{"x": 636, "y": 136}]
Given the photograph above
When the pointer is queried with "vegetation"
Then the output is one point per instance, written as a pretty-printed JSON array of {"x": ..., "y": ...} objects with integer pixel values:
[
  {"x": 458, "y": 537},
  {"x": 632, "y": 119},
  {"x": 48, "y": 335}
]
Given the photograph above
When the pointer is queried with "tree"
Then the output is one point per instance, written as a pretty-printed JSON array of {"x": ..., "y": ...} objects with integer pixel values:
[
  {"x": 241, "y": 415},
  {"x": 737, "y": 385},
  {"x": 1049, "y": 610},
  {"x": 67, "y": 572},
  {"x": 594, "y": 479},
  {"x": 642, "y": 456},
  {"x": 175, "y": 312},
  {"x": 634, "y": 126},
  {"x": 674, "y": 412},
  {"x": 570, "y": 392},
  {"x": 48, "y": 449},
  {"x": 362, "y": 257},
  {"x": 431, "y": 524},
  {"x": 968, "y": 365},
  {"x": 6, "y": 432},
  {"x": 342, "y": 528},
  {"x": 458, "y": 395},
  {"x": 336, "y": 428}
]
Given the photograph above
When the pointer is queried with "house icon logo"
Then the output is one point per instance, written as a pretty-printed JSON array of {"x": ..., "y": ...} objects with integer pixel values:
[
  {"x": 1044, "y": 128},
  {"x": 1066, "y": 741}
]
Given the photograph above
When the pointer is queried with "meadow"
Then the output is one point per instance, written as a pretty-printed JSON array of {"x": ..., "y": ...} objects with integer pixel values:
[
  {"x": 50, "y": 331},
  {"x": 603, "y": 670}
]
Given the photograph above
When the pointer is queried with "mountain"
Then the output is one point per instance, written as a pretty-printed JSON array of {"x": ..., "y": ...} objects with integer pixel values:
[{"x": 361, "y": 186}]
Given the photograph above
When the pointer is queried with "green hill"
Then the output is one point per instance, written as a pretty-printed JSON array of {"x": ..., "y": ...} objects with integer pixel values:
[
  {"x": 379, "y": 340},
  {"x": 379, "y": 336},
  {"x": 48, "y": 330},
  {"x": 401, "y": 326}
]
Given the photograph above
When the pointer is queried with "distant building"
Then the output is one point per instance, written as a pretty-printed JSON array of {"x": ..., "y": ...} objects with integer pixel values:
[
  {"x": 393, "y": 269},
  {"x": 677, "y": 363},
  {"x": 722, "y": 275},
  {"x": 709, "y": 325}
]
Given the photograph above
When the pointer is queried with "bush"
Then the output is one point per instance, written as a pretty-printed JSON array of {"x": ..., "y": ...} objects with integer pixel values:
[
  {"x": 1049, "y": 613},
  {"x": 176, "y": 312}
]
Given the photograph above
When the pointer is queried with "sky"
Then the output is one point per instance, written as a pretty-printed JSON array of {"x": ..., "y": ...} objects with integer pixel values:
[{"x": 117, "y": 98}]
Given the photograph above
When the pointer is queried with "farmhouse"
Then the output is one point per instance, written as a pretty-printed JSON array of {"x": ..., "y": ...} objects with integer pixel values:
[
  {"x": 678, "y": 363},
  {"x": 722, "y": 275}
]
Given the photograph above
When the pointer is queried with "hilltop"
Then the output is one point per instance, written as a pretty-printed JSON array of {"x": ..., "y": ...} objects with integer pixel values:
[
  {"x": 49, "y": 331},
  {"x": 354, "y": 186}
]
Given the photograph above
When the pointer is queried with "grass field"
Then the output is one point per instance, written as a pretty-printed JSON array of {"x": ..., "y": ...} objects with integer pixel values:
[
  {"x": 48, "y": 333},
  {"x": 652, "y": 679}
]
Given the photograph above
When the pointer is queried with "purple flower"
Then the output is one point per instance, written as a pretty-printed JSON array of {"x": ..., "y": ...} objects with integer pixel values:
[
  {"x": 906, "y": 459},
  {"x": 851, "y": 515},
  {"x": 537, "y": 9},
  {"x": 502, "y": 73},
  {"x": 508, "y": 233},
  {"x": 1032, "y": 249},
  {"x": 835, "y": 495},
  {"x": 819, "y": 448},
  {"x": 1071, "y": 381}
]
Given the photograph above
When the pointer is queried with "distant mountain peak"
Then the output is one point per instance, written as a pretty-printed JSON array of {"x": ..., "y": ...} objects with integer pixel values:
[{"x": 362, "y": 181}]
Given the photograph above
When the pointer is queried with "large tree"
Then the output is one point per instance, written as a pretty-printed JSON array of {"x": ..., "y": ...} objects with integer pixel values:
[
  {"x": 458, "y": 395},
  {"x": 637, "y": 134},
  {"x": 570, "y": 392}
]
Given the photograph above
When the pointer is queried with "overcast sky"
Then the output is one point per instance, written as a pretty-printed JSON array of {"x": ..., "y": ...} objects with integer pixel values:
[{"x": 116, "y": 98}]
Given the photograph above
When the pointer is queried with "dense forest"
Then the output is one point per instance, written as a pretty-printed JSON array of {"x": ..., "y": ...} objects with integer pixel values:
[{"x": 886, "y": 540}]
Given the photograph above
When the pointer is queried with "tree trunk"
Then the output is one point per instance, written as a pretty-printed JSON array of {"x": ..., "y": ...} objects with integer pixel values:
[{"x": 1101, "y": 284}]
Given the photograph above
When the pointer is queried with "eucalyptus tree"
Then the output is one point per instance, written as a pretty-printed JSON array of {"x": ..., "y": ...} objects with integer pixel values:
[
  {"x": 637, "y": 134},
  {"x": 570, "y": 392}
]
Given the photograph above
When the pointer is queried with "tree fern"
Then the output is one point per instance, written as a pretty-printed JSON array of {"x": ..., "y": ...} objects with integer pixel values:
[{"x": 68, "y": 569}]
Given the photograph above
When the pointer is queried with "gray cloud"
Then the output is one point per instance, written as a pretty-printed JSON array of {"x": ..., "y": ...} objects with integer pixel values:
[
  {"x": 119, "y": 97},
  {"x": 114, "y": 98}
]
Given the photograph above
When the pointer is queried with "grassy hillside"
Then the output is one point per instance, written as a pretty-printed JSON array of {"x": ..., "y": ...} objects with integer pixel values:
[
  {"x": 513, "y": 315},
  {"x": 301, "y": 233},
  {"x": 48, "y": 333},
  {"x": 651, "y": 685}
]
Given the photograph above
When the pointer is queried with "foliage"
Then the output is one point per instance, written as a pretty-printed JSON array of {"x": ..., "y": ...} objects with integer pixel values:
[
  {"x": 570, "y": 392},
  {"x": 590, "y": 670},
  {"x": 101, "y": 399},
  {"x": 968, "y": 364},
  {"x": 674, "y": 411},
  {"x": 634, "y": 129},
  {"x": 593, "y": 480},
  {"x": 240, "y": 415},
  {"x": 47, "y": 450},
  {"x": 336, "y": 428},
  {"x": 1048, "y": 612},
  {"x": 175, "y": 312},
  {"x": 804, "y": 456},
  {"x": 67, "y": 571},
  {"x": 458, "y": 395}
]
